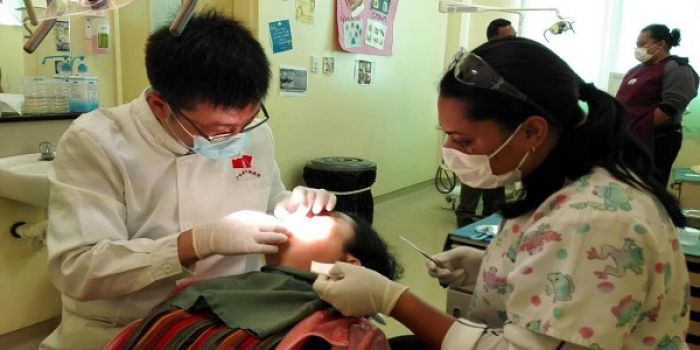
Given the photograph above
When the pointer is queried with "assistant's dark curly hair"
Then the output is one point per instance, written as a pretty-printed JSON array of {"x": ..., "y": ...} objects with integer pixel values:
[{"x": 600, "y": 138}]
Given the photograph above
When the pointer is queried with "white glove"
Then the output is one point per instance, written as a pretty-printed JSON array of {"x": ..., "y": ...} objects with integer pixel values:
[
  {"x": 241, "y": 232},
  {"x": 357, "y": 291},
  {"x": 304, "y": 200},
  {"x": 458, "y": 267}
]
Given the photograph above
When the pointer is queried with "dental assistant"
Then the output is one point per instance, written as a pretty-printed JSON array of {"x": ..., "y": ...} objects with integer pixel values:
[
  {"x": 587, "y": 256},
  {"x": 152, "y": 192},
  {"x": 656, "y": 93}
]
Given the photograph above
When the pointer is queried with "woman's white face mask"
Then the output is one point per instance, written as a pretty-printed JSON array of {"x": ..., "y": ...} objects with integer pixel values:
[
  {"x": 474, "y": 170},
  {"x": 642, "y": 54}
]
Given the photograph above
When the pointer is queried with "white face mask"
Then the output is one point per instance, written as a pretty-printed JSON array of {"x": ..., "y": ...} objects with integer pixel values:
[
  {"x": 642, "y": 55},
  {"x": 474, "y": 170}
]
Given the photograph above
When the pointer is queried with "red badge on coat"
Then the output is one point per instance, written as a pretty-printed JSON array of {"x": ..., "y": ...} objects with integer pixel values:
[{"x": 242, "y": 162}]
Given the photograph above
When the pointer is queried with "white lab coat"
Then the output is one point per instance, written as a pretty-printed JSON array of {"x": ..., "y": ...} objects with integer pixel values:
[{"x": 121, "y": 191}]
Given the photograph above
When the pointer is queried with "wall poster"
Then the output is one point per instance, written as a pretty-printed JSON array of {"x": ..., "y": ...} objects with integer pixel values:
[{"x": 366, "y": 26}]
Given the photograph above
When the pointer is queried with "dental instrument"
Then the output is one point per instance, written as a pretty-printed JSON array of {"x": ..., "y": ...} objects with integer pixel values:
[{"x": 426, "y": 255}]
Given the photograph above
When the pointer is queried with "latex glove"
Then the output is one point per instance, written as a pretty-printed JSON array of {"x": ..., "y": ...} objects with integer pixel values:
[
  {"x": 458, "y": 267},
  {"x": 357, "y": 291},
  {"x": 303, "y": 200},
  {"x": 242, "y": 232}
]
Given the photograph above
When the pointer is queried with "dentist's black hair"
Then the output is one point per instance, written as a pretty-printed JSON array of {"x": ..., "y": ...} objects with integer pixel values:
[
  {"x": 660, "y": 32},
  {"x": 371, "y": 250},
  {"x": 216, "y": 61},
  {"x": 599, "y": 139}
]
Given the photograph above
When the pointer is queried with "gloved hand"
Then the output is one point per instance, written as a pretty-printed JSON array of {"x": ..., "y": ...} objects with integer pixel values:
[
  {"x": 458, "y": 267},
  {"x": 304, "y": 200},
  {"x": 357, "y": 291},
  {"x": 241, "y": 232}
]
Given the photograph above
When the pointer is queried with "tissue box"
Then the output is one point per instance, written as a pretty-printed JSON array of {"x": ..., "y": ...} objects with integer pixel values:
[{"x": 11, "y": 103}]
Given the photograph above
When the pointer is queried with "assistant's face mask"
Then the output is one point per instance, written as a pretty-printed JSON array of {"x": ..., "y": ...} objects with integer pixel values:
[
  {"x": 474, "y": 170},
  {"x": 642, "y": 55},
  {"x": 223, "y": 150}
]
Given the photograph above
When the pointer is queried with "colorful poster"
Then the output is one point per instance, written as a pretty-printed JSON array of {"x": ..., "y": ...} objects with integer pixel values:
[
  {"x": 381, "y": 6},
  {"x": 355, "y": 6},
  {"x": 376, "y": 34},
  {"x": 305, "y": 11},
  {"x": 352, "y": 34},
  {"x": 366, "y": 26},
  {"x": 363, "y": 72},
  {"x": 280, "y": 36},
  {"x": 62, "y": 29}
]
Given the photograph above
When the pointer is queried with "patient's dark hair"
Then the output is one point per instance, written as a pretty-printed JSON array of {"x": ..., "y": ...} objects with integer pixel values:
[{"x": 371, "y": 250}]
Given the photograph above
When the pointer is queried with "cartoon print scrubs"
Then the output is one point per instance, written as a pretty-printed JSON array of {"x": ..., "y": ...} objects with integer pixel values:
[{"x": 597, "y": 264}]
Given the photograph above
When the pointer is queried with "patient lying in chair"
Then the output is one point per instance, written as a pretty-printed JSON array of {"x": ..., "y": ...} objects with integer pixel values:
[{"x": 275, "y": 308}]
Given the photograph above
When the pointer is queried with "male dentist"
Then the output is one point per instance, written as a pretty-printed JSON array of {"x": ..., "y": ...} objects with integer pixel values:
[{"x": 156, "y": 190}]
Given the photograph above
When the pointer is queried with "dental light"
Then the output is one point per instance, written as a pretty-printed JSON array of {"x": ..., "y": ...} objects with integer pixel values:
[
  {"x": 558, "y": 28},
  {"x": 561, "y": 26},
  {"x": 61, "y": 8},
  {"x": 309, "y": 229}
]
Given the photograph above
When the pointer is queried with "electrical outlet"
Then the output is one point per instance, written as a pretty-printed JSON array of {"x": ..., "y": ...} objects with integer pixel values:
[{"x": 315, "y": 64}]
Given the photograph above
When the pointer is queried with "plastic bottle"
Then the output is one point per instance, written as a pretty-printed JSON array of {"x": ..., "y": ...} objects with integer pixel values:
[
  {"x": 82, "y": 67},
  {"x": 59, "y": 95},
  {"x": 35, "y": 95},
  {"x": 63, "y": 67},
  {"x": 57, "y": 88},
  {"x": 84, "y": 94}
]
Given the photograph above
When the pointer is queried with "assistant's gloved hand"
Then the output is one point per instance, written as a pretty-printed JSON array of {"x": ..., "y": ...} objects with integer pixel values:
[
  {"x": 357, "y": 291},
  {"x": 304, "y": 200},
  {"x": 241, "y": 232},
  {"x": 459, "y": 266}
]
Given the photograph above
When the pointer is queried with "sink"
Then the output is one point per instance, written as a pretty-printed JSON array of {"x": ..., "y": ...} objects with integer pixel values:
[{"x": 24, "y": 178}]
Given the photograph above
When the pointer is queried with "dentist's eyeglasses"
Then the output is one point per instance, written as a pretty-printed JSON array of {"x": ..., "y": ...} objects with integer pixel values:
[
  {"x": 261, "y": 118},
  {"x": 472, "y": 70}
]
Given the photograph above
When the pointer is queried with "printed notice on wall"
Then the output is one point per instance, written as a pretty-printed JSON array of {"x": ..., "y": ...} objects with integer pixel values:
[
  {"x": 163, "y": 13},
  {"x": 366, "y": 26},
  {"x": 293, "y": 80},
  {"x": 280, "y": 36},
  {"x": 305, "y": 11}
]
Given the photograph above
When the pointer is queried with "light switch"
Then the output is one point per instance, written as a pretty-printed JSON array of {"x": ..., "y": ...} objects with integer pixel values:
[{"x": 315, "y": 64}]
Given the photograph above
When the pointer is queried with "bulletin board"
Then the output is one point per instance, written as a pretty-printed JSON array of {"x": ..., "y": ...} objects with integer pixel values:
[{"x": 366, "y": 26}]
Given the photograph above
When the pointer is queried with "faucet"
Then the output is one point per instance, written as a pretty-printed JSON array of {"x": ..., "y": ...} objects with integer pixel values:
[{"x": 48, "y": 151}]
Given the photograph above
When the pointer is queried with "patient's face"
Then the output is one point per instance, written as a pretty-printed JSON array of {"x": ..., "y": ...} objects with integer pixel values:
[{"x": 320, "y": 238}]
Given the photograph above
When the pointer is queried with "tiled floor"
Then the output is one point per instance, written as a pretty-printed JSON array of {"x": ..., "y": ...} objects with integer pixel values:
[{"x": 414, "y": 213}]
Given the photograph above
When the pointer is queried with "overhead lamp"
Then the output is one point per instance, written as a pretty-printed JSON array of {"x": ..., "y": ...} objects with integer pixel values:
[
  {"x": 561, "y": 26},
  {"x": 449, "y": 6}
]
